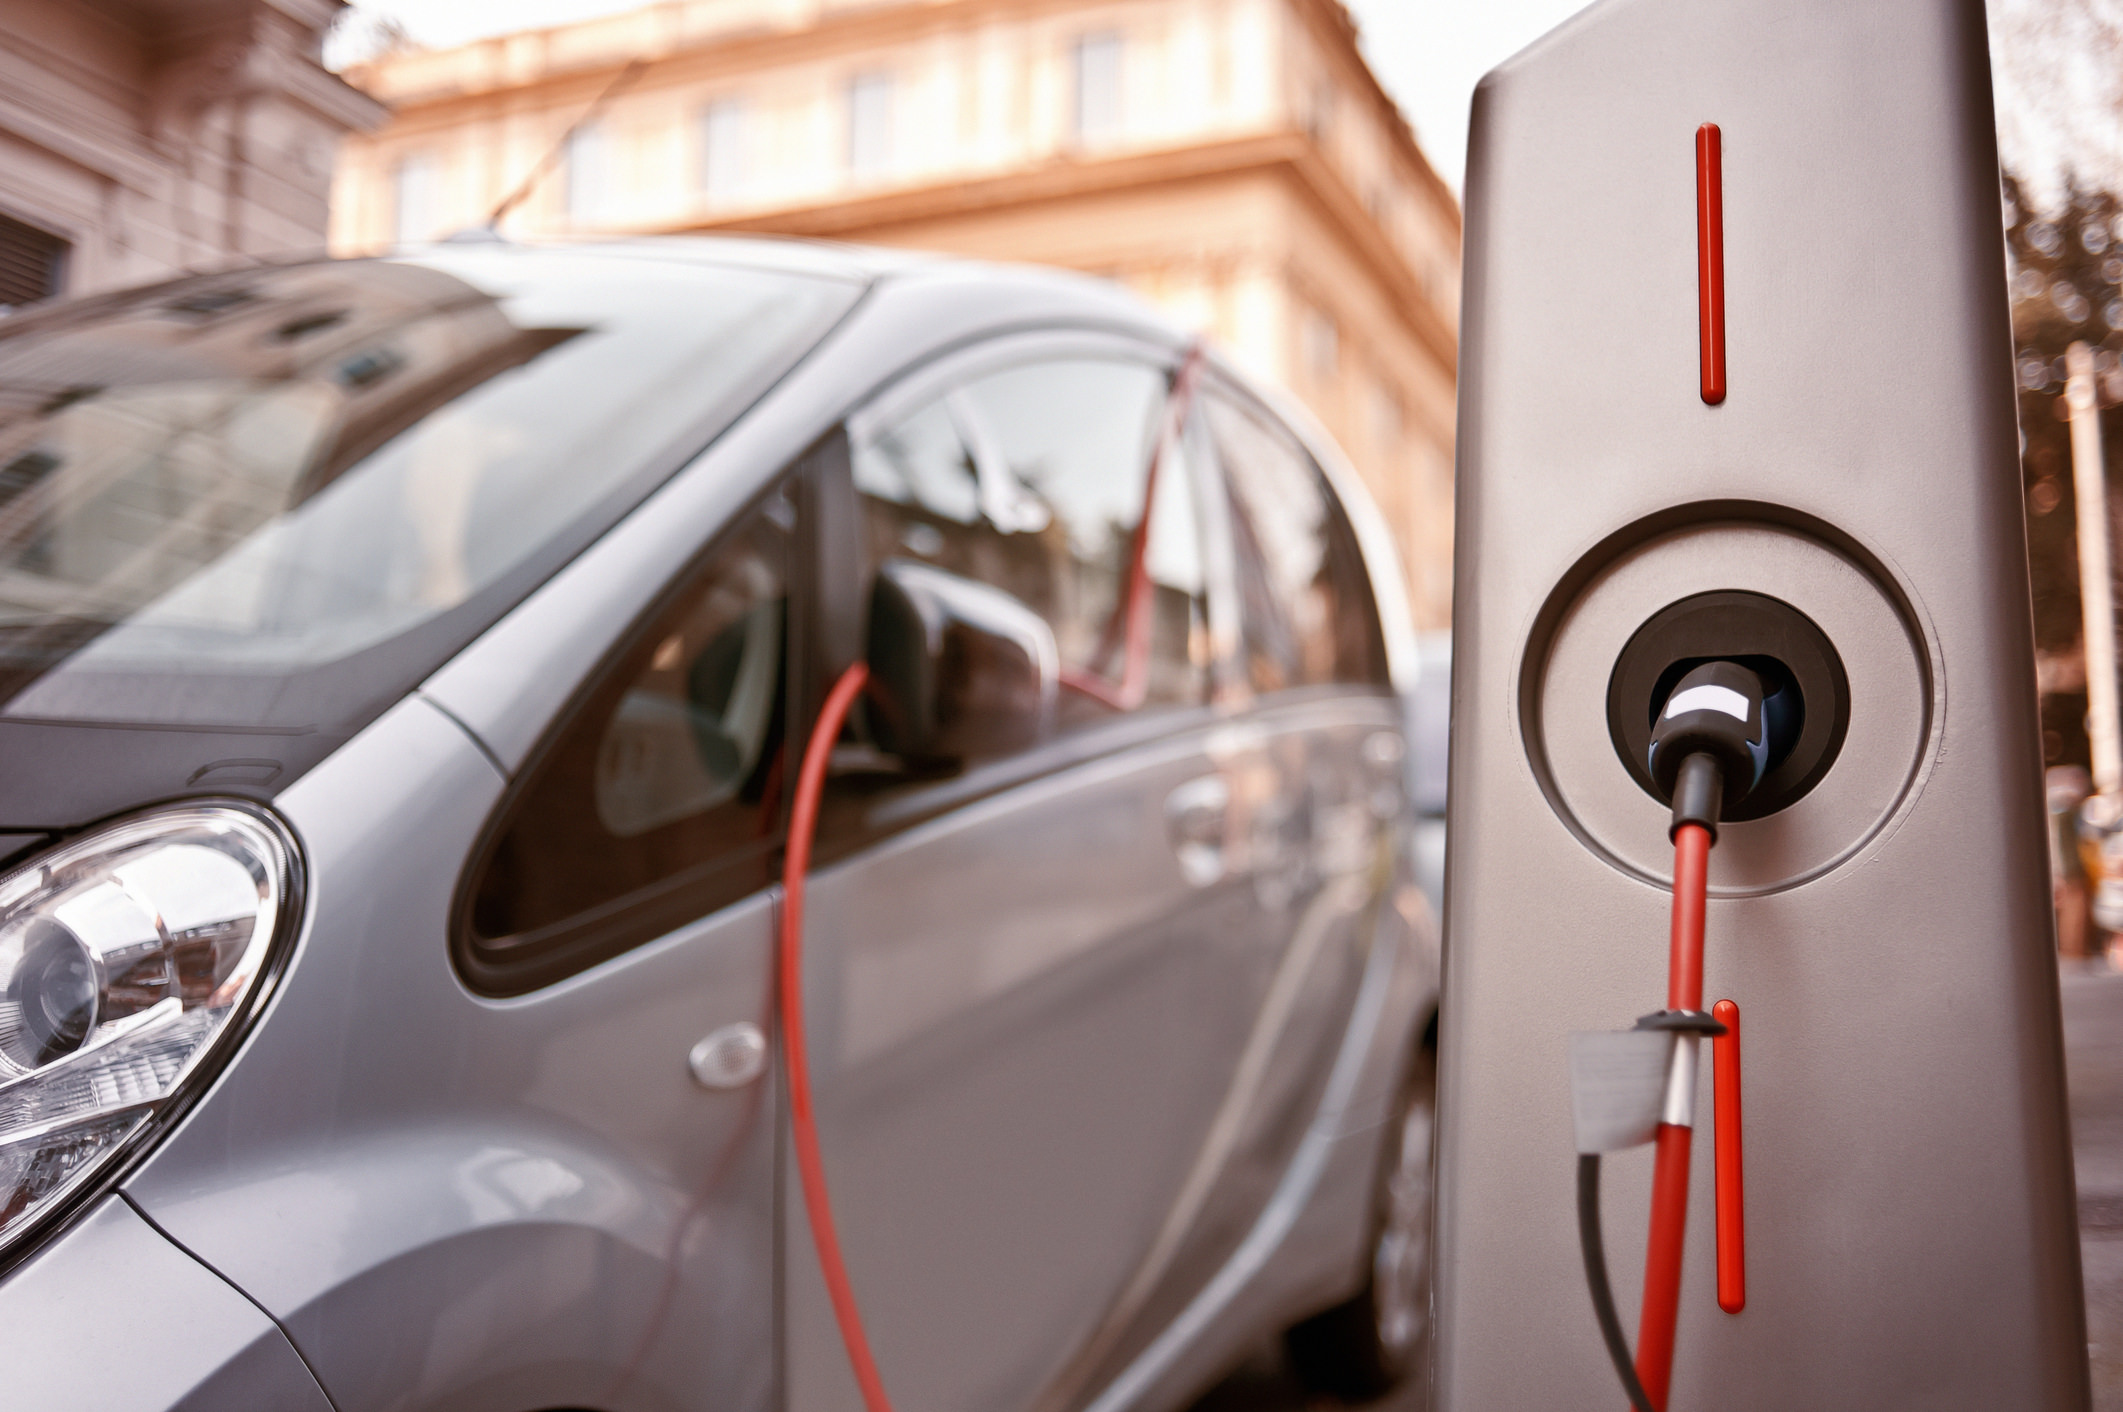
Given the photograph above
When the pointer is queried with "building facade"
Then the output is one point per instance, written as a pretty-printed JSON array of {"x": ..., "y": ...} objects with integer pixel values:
[
  {"x": 1233, "y": 161},
  {"x": 144, "y": 138}
]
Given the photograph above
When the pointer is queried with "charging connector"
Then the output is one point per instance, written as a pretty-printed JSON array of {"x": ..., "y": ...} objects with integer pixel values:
[
  {"x": 1805, "y": 694},
  {"x": 1710, "y": 742}
]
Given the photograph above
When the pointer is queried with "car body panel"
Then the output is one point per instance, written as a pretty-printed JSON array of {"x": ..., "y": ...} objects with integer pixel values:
[
  {"x": 112, "y": 1315},
  {"x": 1309, "y": 1247},
  {"x": 1032, "y": 1067},
  {"x": 1312, "y": 858},
  {"x": 453, "y": 1201}
]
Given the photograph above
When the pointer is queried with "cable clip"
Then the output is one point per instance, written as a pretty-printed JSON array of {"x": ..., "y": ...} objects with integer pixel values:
[{"x": 1695, "y": 1022}]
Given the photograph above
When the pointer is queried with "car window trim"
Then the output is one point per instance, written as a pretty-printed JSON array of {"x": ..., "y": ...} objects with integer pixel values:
[
  {"x": 942, "y": 377},
  {"x": 937, "y": 380},
  {"x": 1342, "y": 525},
  {"x": 918, "y": 386}
]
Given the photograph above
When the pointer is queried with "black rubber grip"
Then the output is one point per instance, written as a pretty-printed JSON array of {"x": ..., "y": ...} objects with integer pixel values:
[{"x": 1698, "y": 794}]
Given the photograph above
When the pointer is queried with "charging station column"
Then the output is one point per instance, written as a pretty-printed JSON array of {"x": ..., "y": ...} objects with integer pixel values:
[{"x": 1804, "y": 492}]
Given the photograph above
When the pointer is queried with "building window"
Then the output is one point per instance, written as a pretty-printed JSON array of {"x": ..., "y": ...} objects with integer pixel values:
[
  {"x": 722, "y": 149},
  {"x": 1098, "y": 88},
  {"x": 1387, "y": 418},
  {"x": 870, "y": 124},
  {"x": 414, "y": 197},
  {"x": 1319, "y": 110},
  {"x": 589, "y": 174},
  {"x": 32, "y": 264},
  {"x": 1319, "y": 344}
]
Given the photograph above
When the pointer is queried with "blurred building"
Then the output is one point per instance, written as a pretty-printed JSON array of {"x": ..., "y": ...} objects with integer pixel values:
[
  {"x": 141, "y": 138},
  {"x": 1232, "y": 160}
]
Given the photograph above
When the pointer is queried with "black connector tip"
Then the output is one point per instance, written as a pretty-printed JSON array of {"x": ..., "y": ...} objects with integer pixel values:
[{"x": 1698, "y": 795}]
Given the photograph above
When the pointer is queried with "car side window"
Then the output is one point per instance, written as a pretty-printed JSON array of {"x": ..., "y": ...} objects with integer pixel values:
[
  {"x": 1037, "y": 479},
  {"x": 659, "y": 800},
  {"x": 1304, "y": 594}
]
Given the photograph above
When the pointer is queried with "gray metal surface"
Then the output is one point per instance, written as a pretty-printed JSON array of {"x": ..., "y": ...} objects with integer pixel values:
[
  {"x": 2093, "y": 1051},
  {"x": 1308, "y": 1248},
  {"x": 1910, "y": 1235},
  {"x": 113, "y": 1317},
  {"x": 458, "y": 1202},
  {"x": 1053, "y": 1071},
  {"x": 1891, "y": 725}
]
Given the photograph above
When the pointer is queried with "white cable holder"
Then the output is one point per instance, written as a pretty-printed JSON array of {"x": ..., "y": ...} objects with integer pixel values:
[{"x": 1625, "y": 1083}]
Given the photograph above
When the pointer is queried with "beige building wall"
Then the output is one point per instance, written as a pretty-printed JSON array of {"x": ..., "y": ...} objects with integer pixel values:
[
  {"x": 151, "y": 137},
  {"x": 1231, "y": 160}
]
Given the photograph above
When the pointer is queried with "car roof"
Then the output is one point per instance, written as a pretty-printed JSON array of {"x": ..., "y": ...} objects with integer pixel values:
[{"x": 821, "y": 259}]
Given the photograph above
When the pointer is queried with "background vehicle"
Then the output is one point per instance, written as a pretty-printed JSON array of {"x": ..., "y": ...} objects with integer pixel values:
[{"x": 473, "y": 602}]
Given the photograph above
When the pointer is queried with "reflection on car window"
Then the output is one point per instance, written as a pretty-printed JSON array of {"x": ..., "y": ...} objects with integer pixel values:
[
  {"x": 1034, "y": 480},
  {"x": 1305, "y": 598},
  {"x": 663, "y": 793},
  {"x": 922, "y": 463},
  {"x": 252, "y": 474},
  {"x": 693, "y": 727}
]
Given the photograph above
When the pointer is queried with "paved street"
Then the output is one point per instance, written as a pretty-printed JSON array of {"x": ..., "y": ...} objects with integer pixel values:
[
  {"x": 2093, "y": 1042},
  {"x": 2093, "y": 1039}
]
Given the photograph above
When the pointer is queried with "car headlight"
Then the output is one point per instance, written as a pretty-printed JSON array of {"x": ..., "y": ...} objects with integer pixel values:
[{"x": 124, "y": 957}]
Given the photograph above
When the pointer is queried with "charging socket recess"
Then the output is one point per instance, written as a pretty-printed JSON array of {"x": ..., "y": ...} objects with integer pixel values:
[
  {"x": 1808, "y": 693},
  {"x": 1780, "y": 593}
]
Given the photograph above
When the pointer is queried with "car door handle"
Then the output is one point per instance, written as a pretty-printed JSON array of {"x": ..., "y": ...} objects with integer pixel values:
[{"x": 1197, "y": 819}]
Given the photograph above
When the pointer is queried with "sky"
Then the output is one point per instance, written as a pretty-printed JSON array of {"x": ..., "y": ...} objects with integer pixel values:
[{"x": 1429, "y": 54}]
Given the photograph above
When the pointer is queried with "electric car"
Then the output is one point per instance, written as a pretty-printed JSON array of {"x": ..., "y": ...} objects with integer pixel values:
[{"x": 407, "y": 663}]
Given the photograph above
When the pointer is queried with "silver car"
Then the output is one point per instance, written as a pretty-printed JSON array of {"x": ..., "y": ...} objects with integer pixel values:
[{"x": 405, "y": 664}]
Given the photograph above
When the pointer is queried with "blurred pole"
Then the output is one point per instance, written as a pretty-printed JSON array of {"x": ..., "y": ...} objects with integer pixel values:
[{"x": 2096, "y": 595}]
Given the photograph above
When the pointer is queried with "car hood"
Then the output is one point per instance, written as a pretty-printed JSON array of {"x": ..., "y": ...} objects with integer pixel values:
[{"x": 59, "y": 776}]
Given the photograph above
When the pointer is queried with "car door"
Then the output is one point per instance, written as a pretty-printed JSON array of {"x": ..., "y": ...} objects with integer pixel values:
[
  {"x": 1308, "y": 793},
  {"x": 1030, "y": 977},
  {"x": 617, "y": 917},
  {"x": 1324, "y": 751}
]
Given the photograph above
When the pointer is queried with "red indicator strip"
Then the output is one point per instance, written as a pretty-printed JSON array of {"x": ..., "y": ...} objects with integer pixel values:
[
  {"x": 1731, "y": 1212},
  {"x": 1710, "y": 257}
]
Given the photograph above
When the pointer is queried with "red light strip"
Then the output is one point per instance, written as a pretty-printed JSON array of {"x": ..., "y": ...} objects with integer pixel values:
[
  {"x": 1731, "y": 1204},
  {"x": 1710, "y": 257}
]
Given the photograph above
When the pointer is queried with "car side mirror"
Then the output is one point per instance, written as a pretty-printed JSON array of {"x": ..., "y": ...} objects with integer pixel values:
[{"x": 958, "y": 670}]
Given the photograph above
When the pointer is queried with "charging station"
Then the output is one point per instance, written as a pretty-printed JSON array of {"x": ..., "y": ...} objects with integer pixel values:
[{"x": 1737, "y": 425}]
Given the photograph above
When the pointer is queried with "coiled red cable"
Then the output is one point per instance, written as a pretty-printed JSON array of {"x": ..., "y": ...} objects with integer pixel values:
[
  {"x": 803, "y": 1125},
  {"x": 1669, "y": 1178}
]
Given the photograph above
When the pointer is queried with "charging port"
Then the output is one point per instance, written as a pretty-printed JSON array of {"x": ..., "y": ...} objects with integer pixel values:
[{"x": 1806, "y": 696}]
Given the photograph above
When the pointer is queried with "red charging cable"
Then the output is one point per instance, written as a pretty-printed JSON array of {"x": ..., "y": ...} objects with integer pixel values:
[
  {"x": 1669, "y": 1179},
  {"x": 1710, "y": 739},
  {"x": 803, "y": 827}
]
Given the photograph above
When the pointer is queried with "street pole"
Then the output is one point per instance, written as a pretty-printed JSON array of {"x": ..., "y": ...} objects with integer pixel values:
[{"x": 2096, "y": 596}]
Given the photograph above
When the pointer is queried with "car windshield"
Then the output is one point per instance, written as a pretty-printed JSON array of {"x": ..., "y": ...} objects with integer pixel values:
[{"x": 223, "y": 501}]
